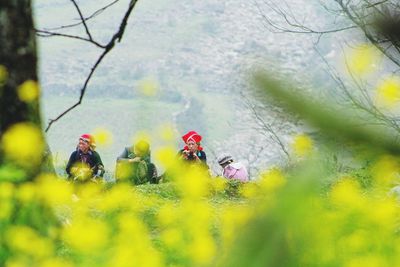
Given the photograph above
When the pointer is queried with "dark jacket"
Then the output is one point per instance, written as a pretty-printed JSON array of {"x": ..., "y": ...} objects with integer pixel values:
[
  {"x": 200, "y": 154},
  {"x": 91, "y": 158}
]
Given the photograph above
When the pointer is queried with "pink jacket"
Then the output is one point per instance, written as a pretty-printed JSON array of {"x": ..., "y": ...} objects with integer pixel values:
[{"x": 236, "y": 170}]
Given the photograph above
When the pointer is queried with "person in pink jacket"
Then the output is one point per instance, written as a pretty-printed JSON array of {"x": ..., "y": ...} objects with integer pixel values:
[{"x": 233, "y": 170}]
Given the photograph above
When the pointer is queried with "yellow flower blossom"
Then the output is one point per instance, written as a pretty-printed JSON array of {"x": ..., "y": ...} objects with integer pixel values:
[
  {"x": 347, "y": 193},
  {"x": 249, "y": 190},
  {"x": 202, "y": 249},
  {"x": 86, "y": 235},
  {"x": 355, "y": 242},
  {"x": 148, "y": 87},
  {"x": 383, "y": 213},
  {"x": 53, "y": 190},
  {"x": 55, "y": 262},
  {"x": 386, "y": 171},
  {"x": 120, "y": 196},
  {"x": 272, "y": 180},
  {"x": 103, "y": 137},
  {"x": 362, "y": 59},
  {"x": 6, "y": 209},
  {"x": 23, "y": 143},
  {"x": 28, "y": 91},
  {"x": 26, "y": 192},
  {"x": 166, "y": 156},
  {"x": 3, "y": 75},
  {"x": 6, "y": 190},
  {"x": 219, "y": 184},
  {"x": 302, "y": 145},
  {"x": 193, "y": 183},
  {"x": 167, "y": 133},
  {"x": 26, "y": 240},
  {"x": 167, "y": 214},
  {"x": 172, "y": 238},
  {"x": 388, "y": 91}
]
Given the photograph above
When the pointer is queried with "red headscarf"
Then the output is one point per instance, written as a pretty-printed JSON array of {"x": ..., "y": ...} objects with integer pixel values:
[
  {"x": 89, "y": 139},
  {"x": 192, "y": 136}
]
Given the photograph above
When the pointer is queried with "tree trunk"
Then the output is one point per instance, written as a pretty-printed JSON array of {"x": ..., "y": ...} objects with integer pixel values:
[{"x": 17, "y": 64}]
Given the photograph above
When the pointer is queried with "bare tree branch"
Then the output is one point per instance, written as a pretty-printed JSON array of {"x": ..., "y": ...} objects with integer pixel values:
[
  {"x": 116, "y": 37},
  {"x": 294, "y": 25},
  {"x": 43, "y": 33},
  {"x": 93, "y": 15},
  {"x": 267, "y": 129},
  {"x": 82, "y": 19}
]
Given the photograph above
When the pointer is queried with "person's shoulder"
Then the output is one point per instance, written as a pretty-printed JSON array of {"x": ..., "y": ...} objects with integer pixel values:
[
  {"x": 95, "y": 153},
  {"x": 237, "y": 165}
]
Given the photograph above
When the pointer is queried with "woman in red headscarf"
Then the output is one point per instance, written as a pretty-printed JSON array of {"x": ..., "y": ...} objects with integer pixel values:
[
  {"x": 193, "y": 152},
  {"x": 85, "y": 163}
]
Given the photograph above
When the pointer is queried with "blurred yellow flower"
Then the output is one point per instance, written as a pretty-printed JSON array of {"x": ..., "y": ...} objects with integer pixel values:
[
  {"x": 202, "y": 249},
  {"x": 384, "y": 213},
  {"x": 193, "y": 183},
  {"x": 355, "y": 242},
  {"x": 24, "y": 143},
  {"x": 26, "y": 192},
  {"x": 6, "y": 190},
  {"x": 28, "y": 91},
  {"x": 386, "y": 171},
  {"x": 103, "y": 137},
  {"x": 388, "y": 91},
  {"x": 272, "y": 180},
  {"x": 167, "y": 214},
  {"x": 167, "y": 132},
  {"x": 55, "y": 262},
  {"x": 148, "y": 87},
  {"x": 362, "y": 59},
  {"x": 219, "y": 184},
  {"x": 26, "y": 240},
  {"x": 249, "y": 190},
  {"x": 302, "y": 145},
  {"x": 3, "y": 75},
  {"x": 120, "y": 196},
  {"x": 347, "y": 193},
  {"x": 53, "y": 190},
  {"x": 166, "y": 156},
  {"x": 6, "y": 209},
  {"x": 172, "y": 237},
  {"x": 86, "y": 235}
]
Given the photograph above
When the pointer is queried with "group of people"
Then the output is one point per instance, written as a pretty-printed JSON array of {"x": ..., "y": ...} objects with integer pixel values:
[{"x": 134, "y": 164}]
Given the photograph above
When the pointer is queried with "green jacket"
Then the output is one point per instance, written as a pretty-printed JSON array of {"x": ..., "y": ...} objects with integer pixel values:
[{"x": 135, "y": 172}]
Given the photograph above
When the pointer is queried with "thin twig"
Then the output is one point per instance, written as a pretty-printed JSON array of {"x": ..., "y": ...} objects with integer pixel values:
[{"x": 117, "y": 37}]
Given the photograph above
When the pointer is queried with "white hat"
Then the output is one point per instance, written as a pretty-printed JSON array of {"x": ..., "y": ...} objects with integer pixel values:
[{"x": 223, "y": 159}]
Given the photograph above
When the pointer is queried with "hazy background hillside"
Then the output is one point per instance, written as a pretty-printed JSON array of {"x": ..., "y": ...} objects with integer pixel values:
[{"x": 198, "y": 54}]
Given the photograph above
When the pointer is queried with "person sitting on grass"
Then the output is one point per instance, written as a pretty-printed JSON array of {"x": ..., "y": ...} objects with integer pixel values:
[
  {"x": 134, "y": 165},
  {"x": 231, "y": 169},
  {"x": 85, "y": 163},
  {"x": 193, "y": 152}
]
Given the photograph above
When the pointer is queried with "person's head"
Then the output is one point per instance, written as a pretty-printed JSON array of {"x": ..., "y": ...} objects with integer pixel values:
[
  {"x": 142, "y": 148},
  {"x": 192, "y": 140},
  {"x": 225, "y": 160},
  {"x": 86, "y": 142}
]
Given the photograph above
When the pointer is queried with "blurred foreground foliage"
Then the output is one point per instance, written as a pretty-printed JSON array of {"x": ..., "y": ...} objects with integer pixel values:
[{"x": 304, "y": 214}]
